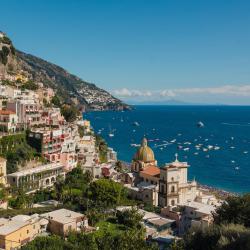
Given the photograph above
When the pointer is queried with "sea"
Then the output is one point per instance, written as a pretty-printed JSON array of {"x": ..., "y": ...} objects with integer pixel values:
[{"x": 218, "y": 152}]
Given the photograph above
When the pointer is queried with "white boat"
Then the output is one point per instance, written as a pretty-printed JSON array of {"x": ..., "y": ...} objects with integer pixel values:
[
  {"x": 200, "y": 124},
  {"x": 186, "y": 149},
  {"x": 216, "y": 148},
  {"x": 245, "y": 152},
  {"x": 205, "y": 149},
  {"x": 210, "y": 147},
  {"x": 173, "y": 141},
  {"x": 236, "y": 168},
  {"x": 136, "y": 124},
  {"x": 111, "y": 132}
]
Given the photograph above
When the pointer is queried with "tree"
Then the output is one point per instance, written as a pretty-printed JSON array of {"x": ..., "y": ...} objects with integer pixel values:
[
  {"x": 222, "y": 237},
  {"x": 56, "y": 101},
  {"x": 48, "y": 243},
  {"x": 234, "y": 210},
  {"x": 130, "y": 217},
  {"x": 70, "y": 113},
  {"x": 106, "y": 193}
]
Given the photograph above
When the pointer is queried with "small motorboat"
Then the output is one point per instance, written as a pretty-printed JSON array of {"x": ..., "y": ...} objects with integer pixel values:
[
  {"x": 200, "y": 124},
  {"x": 136, "y": 124}
]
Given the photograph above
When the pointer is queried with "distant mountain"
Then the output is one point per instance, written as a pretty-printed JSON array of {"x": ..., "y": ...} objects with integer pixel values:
[
  {"x": 70, "y": 88},
  {"x": 167, "y": 102}
]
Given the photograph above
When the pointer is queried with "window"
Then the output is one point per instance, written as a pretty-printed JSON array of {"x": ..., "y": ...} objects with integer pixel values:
[
  {"x": 172, "y": 189},
  {"x": 172, "y": 202},
  {"x": 172, "y": 179},
  {"x": 162, "y": 188},
  {"x": 28, "y": 231}
]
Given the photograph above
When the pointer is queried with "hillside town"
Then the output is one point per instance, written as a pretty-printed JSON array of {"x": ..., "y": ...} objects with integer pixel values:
[{"x": 63, "y": 146}]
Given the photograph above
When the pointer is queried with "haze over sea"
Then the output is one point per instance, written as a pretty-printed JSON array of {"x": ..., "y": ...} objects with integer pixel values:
[{"x": 227, "y": 127}]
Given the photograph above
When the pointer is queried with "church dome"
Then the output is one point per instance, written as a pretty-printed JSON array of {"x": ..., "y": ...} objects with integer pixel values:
[{"x": 144, "y": 153}]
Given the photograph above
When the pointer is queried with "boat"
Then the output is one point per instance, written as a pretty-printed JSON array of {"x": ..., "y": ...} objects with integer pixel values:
[
  {"x": 186, "y": 149},
  {"x": 236, "y": 168},
  {"x": 216, "y": 148},
  {"x": 136, "y": 124},
  {"x": 200, "y": 124},
  {"x": 111, "y": 132}
]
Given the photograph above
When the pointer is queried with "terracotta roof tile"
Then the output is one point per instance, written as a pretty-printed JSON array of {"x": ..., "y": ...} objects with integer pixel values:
[
  {"x": 151, "y": 170},
  {"x": 7, "y": 112}
]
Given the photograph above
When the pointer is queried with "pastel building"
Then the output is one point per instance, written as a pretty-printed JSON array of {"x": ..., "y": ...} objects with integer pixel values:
[
  {"x": 28, "y": 112},
  {"x": 48, "y": 142},
  {"x": 63, "y": 221},
  {"x": 36, "y": 178},
  {"x": 3, "y": 171},
  {"x": 52, "y": 117},
  {"x": 174, "y": 185},
  {"x": 15, "y": 232},
  {"x": 8, "y": 121}
]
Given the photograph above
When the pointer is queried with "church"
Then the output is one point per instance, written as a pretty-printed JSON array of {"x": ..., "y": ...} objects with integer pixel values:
[{"x": 160, "y": 186}]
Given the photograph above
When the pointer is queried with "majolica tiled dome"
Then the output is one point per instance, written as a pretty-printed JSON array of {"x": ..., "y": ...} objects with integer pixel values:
[{"x": 144, "y": 153}]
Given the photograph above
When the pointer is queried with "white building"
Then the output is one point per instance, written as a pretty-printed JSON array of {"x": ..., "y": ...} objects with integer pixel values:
[
  {"x": 33, "y": 179},
  {"x": 174, "y": 185}
]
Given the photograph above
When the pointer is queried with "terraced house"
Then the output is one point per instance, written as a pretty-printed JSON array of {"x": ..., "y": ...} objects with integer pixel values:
[{"x": 40, "y": 177}]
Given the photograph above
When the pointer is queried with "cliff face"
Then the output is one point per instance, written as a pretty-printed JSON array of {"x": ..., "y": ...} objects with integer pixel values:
[{"x": 69, "y": 87}]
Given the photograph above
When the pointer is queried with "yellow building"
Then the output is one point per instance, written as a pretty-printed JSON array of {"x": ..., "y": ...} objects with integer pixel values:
[
  {"x": 22, "y": 78},
  {"x": 19, "y": 230},
  {"x": 3, "y": 171}
]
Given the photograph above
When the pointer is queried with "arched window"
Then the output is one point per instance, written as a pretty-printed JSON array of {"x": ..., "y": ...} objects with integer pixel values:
[
  {"x": 172, "y": 202},
  {"x": 172, "y": 179},
  {"x": 172, "y": 189}
]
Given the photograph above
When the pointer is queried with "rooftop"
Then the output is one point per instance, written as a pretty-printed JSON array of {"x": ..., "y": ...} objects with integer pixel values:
[
  {"x": 11, "y": 226},
  {"x": 62, "y": 216},
  {"x": 38, "y": 169},
  {"x": 7, "y": 112},
  {"x": 200, "y": 207},
  {"x": 151, "y": 170}
]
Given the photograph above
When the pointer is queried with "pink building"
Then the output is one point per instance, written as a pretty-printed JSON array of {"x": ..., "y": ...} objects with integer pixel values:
[{"x": 28, "y": 112}]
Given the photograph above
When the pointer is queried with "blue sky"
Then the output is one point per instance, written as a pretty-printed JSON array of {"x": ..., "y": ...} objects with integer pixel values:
[{"x": 194, "y": 51}]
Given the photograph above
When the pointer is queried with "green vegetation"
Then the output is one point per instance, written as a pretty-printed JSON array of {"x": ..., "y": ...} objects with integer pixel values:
[
  {"x": 26, "y": 211},
  {"x": 56, "y": 101},
  {"x": 231, "y": 230},
  {"x": 102, "y": 147},
  {"x": 235, "y": 210},
  {"x": 16, "y": 150},
  {"x": 70, "y": 112},
  {"x": 5, "y": 40},
  {"x": 4, "y": 55},
  {"x": 29, "y": 85},
  {"x": 111, "y": 235}
]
